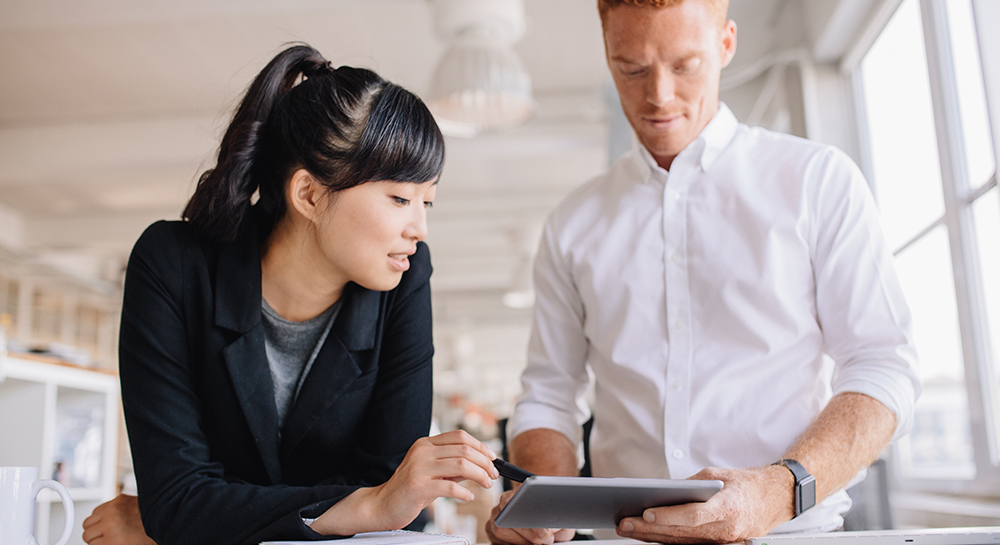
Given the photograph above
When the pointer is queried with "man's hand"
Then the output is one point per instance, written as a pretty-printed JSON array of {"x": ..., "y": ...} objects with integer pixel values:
[
  {"x": 116, "y": 522},
  {"x": 522, "y": 536},
  {"x": 752, "y": 502}
]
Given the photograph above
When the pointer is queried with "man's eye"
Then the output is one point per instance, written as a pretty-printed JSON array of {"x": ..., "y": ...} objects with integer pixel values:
[
  {"x": 688, "y": 67},
  {"x": 428, "y": 204},
  {"x": 401, "y": 201}
]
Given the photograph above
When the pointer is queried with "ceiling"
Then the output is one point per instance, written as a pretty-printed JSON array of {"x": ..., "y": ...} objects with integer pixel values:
[{"x": 109, "y": 110}]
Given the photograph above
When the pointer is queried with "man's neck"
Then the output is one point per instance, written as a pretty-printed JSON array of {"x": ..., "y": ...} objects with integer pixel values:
[{"x": 664, "y": 161}]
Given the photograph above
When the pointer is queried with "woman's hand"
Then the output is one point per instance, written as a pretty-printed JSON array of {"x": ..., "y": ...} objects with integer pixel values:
[
  {"x": 116, "y": 522},
  {"x": 432, "y": 469}
]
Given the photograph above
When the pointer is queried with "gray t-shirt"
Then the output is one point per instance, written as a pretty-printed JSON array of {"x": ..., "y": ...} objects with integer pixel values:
[{"x": 291, "y": 348}]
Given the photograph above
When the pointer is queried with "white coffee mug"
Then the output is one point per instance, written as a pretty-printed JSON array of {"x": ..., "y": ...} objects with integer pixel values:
[{"x": 18, "y": 488}]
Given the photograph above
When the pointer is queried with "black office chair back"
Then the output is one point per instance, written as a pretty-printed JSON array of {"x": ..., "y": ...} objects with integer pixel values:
[{"x": 871, "y": 509}]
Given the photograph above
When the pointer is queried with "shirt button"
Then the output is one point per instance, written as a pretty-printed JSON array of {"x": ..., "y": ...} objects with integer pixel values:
[
  {"x": 675, "y": 386},
  {"x": 679, "y": 325},
  {"x": 676, "y": 257},
  {"x": 678, "y": 454},
  {"x": 673, "y": 194}
]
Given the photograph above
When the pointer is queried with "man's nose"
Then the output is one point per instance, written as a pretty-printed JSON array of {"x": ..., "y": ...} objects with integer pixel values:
[{"x": 660, "y": 90}]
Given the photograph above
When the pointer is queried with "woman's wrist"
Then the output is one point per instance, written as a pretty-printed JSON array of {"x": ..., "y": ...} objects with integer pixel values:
[{"x": 354, "y": 514}]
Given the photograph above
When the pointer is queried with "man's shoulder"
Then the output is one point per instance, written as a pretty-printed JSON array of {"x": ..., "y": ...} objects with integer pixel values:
[
  {"x": 592, "y": 195},
  {"x": 768, "y": 142},
  {"x": 785, "y": 157}
]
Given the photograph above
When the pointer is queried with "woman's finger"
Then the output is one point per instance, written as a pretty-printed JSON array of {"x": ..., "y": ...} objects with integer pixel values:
[
  {"x": 450, "y": 489},
  {"x": 459, "y": 469},
  {"x": 91, "y": 520},
  {"x": 469, "y": 453},
  {"x": 461, "y": 437}
]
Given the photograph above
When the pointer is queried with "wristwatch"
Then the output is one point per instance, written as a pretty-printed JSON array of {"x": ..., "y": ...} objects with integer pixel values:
[{"x": 805, "y": 486}]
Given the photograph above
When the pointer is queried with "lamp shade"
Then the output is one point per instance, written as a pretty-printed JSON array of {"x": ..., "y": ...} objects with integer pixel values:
[{"x": 479, "y": 83}]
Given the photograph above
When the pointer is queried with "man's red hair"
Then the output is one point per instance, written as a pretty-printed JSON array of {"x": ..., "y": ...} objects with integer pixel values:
[{"x": 720, "y": 7}]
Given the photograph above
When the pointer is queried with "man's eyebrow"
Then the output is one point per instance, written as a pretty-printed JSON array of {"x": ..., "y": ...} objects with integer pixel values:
[{"x": 619, "y": 58}]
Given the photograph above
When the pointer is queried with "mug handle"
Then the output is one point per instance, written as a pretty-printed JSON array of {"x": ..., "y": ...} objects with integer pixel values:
[{"x": 67, "y": 502}]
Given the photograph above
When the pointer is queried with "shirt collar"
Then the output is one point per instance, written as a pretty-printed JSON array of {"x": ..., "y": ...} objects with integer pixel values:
[{"x": 709, "y": 144}]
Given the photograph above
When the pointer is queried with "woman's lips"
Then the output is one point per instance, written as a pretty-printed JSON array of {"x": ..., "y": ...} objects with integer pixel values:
[{"x": 400, "y": 261}]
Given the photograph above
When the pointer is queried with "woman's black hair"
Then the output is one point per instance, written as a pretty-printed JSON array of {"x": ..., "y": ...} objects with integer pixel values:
[{"x": 346, "y": 126}]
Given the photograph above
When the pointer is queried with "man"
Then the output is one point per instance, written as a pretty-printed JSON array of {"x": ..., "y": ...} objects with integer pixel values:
[{"x": 702, "y": 280}]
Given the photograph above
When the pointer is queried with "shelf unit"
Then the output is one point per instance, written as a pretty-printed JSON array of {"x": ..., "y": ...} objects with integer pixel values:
[{"x": 63, "y": 420}]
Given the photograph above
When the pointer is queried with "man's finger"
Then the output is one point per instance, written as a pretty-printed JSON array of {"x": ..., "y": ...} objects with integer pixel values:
[
  {"x": 506, "y": 535},
  {"x": 566, "y": 534},
  {"x": 535, "y": 536},
  {"x": 688, "y": 514},
  {"x": 714, "y": 532}
]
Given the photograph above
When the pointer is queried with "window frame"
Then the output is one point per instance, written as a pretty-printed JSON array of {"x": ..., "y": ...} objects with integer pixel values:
[{"x": 981, "y": 381}]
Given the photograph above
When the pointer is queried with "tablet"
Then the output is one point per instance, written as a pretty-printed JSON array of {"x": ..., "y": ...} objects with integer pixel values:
[{"x": 591, "y": 502}]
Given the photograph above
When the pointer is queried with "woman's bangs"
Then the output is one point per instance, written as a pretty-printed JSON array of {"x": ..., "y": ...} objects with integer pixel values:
[{"x": 401, "y": 141}]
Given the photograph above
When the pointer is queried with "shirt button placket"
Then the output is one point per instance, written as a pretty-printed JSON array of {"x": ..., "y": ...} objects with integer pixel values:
[{"x": 675, "y": 409}]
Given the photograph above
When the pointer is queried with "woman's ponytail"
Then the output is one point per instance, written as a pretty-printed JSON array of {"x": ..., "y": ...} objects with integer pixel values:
[
  {"x": 220, "y": 207},
  {"x": 346, "y": 127}
]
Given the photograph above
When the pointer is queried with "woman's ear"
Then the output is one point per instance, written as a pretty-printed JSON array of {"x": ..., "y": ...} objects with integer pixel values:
[{"x": 304, "y": 194}]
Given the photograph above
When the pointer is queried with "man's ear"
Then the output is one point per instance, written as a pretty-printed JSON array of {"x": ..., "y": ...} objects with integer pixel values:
[
  {"x": 304, "y": 193},
  {"x": 729, "y": 42}
]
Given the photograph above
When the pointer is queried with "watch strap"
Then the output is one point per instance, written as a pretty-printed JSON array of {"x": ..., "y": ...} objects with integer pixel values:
[{"x": 805, "y": 485}]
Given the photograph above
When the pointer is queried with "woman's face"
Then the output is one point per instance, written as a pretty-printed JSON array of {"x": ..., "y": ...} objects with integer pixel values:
[{"x": 367, "y": 232}]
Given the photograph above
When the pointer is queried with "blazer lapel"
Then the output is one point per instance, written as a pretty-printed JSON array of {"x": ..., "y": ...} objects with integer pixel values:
[
  {"x": 337, "y": 365},
  {"x": 237, "y": 308}
]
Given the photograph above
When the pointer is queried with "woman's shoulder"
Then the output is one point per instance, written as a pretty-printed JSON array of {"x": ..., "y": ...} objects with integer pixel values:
[{"x": 165, "y": 245}]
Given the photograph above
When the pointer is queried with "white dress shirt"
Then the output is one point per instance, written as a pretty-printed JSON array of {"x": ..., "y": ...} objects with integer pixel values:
[{"x": 703, "y": 301}]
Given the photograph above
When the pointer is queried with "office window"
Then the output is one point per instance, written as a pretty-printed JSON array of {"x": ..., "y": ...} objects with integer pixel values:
[{"x": 933, "y": 170}]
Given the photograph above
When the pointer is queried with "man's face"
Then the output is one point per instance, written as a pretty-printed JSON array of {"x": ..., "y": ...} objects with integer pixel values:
[{"x": 666, "y": 63}]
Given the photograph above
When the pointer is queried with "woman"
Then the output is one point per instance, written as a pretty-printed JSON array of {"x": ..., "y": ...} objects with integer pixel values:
[{"x": 276, "y": 357}]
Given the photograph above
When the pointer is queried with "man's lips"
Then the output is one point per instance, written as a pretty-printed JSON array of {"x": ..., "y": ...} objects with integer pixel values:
[{"x": 663, "y": 121}]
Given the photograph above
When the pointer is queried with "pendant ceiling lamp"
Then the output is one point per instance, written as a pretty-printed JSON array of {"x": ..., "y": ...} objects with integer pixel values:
[{"x": 479, "y": 83}]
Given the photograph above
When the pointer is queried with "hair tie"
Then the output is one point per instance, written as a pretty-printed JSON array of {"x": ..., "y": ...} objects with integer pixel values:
[{"x": 319, "y": 68}]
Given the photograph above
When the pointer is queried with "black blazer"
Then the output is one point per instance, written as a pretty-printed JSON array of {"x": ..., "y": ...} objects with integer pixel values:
[{"x": 199, "y": 403}]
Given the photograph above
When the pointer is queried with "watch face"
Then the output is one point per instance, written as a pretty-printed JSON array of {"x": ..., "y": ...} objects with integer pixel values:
[{"x": 807, "y": 494}]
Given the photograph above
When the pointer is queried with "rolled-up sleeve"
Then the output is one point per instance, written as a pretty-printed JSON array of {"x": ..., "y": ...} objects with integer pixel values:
[
  {"x": 556, "y": 378},
  {"x": 866, "y": 322}
]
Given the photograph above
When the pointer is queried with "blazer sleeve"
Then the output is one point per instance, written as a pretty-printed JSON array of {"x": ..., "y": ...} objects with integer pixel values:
[
  {"x": 184, "y": 496},
  {"x": 400, "y": 406}
]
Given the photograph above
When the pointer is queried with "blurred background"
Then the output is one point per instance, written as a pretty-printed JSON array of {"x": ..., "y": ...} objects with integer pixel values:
[{"x": 110, "y": 109}]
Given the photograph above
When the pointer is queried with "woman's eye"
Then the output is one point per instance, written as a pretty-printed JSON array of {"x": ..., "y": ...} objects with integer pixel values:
[
  {"x": 401, "y": 201},
  {"x": 428, "y": 204}
]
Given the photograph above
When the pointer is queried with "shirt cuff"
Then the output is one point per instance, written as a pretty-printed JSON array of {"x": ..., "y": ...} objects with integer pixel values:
[
  {"x": 530, "y": 416},
  {"x": 894, "y": 390}
]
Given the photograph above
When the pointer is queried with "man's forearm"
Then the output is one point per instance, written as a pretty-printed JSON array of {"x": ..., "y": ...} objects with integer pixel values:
[
  {"x": 545, "y": 452},
  {"x": 847, "y": 435}
]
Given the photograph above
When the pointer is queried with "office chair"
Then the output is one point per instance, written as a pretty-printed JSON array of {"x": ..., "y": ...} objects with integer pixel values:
[{"x": 871, "y": 510}]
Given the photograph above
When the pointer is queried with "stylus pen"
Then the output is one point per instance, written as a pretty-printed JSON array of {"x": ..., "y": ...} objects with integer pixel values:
[{"x": 511, "y": 471}]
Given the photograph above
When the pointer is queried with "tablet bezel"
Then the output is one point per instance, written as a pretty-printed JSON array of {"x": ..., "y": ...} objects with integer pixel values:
[{"x": 593, "y": 502}]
